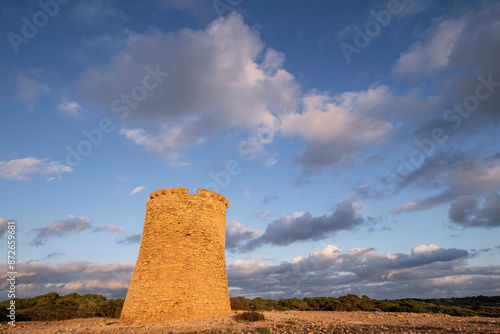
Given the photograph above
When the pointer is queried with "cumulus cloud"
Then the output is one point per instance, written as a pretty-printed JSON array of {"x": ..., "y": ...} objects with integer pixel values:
[
  {"x": 70, "y": 108},
  {"x": 215, "y": 81},
  {"x": 110, "y": 228},
  {"x": 108, "y": 279},
  {"x": 454, "y": 174},
  {"x": 60, "y": 228},
  {"x": 304, "y": 226},
  {"x": 132, "y": 239},
  {"x": 166, "y": 144},
  {"x": 337, "y": 128},
  {"x": 224, "y": 78},
  {"x": 236, "y": 233},
  {"x": 467, "y": 212},
  {"x": 137, "y": 190},
  {"x": 21, "y": 169},
  {"x": 428, "y": 271}
]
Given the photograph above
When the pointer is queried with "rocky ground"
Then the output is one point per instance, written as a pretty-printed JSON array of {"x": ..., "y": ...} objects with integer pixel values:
[{"x": 278, "y": 322}]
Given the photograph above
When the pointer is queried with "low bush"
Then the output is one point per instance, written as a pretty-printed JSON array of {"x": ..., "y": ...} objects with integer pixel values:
[
  {"x": 250, "y": 316},
  {"x": 52, "y": 306},
  {"x": 468, "y": 306}
]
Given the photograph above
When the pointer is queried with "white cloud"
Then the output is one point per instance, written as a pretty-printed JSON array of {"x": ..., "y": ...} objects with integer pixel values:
[
  {"x": 137, "y": 190},
  {"x": 409, "y": 206},
  {"x": 425, "y": 58},
  {"x": 21, "y": 169},
  {"x": 237, "y": 232},
  {"x": 329, "y": 271},
  {"x": 428, "y": 272},
  {"x": 320, "y": 259},
  {"x": 433, "y": 53},
  {"x": 215, "y": 82},
  {"x": 69, "y": 108},
  {"x": 108, "y": 279},
  {"x": 166, "y": 144},
  {"x": 242, "y": 269},
  {"x": 223, "y": 78},
  {"x": 424, "y": 249},
  {"x": 302, "y": 226},
  {"x": 325, "y": 119},
  {"x": 110, "y": 228},
  {"x": 337, "y": 128}
]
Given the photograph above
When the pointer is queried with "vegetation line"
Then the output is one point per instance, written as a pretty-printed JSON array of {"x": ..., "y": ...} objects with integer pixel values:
[{"x": 52, "y": 306}]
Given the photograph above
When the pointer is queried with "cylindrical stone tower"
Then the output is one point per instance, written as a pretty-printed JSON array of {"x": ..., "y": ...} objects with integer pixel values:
[{"x": 180, "y": 273}]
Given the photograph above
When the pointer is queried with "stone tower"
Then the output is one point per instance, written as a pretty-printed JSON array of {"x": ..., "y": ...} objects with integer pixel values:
[{"x": 180, "y": 273}]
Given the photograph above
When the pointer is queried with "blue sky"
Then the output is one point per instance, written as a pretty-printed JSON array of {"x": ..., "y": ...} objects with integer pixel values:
[{"x": 357, "y": 142}]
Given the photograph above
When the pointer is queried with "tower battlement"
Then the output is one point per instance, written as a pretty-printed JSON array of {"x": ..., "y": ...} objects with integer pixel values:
[
  {"x": 182, "y": 191},
  {"x": 180, "y": 273}
]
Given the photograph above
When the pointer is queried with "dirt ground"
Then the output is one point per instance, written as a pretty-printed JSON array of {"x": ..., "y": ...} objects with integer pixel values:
[{"x": 278, "y": 322}]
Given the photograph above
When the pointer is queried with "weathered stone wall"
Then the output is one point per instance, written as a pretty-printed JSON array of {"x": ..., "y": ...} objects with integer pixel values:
[{"x": 180, "y": 273}]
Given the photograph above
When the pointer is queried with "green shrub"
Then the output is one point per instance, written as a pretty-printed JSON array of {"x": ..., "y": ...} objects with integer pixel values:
[
  {"x": 240, "y": 303},
  {"x": 250, "y": 316},
  {"x": 52, "y": 306},
  {"x": 293, "y": 304}
]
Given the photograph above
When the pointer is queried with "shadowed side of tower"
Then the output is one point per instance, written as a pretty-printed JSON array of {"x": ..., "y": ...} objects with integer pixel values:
[{"x": 180, "y": 273}]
